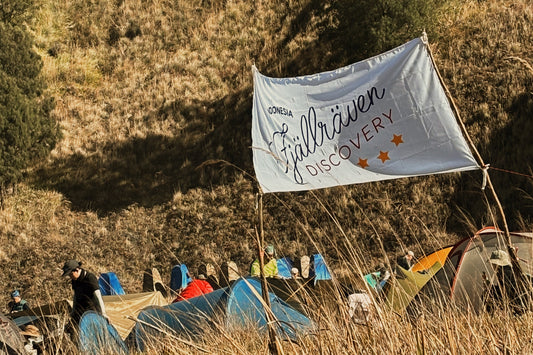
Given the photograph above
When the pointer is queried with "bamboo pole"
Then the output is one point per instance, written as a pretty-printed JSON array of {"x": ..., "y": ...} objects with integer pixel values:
[
  {"x": 273, "y": 345},
  {"x": 484, "y": 167}
]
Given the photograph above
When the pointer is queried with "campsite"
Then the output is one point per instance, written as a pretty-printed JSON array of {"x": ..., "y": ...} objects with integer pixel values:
[{"x": 139, "y": 137}]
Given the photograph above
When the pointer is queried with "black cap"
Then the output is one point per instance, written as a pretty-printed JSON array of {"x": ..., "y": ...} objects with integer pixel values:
[{"x": 70, "y": 266}]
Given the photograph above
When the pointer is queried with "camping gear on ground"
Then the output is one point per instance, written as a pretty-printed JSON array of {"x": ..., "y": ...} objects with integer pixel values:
[
  {"x": 238, "y": 306},
  {"x": 152, "y": 282},
  {"x": 208, "y": 270},
  {"x": 304, "y": 264},
  {"x": 48, "y": 318},
  {"x": 361, "y": 308},
  {"x": 110, "y": 285},
  {"x": 462, "y": 279},
  {"x": 34, "y": 339},
  {"x": 284, "y": 267},
  {"x": 229, "y": 272},
  {"x": 97, "y": 336},
  {"x": 123, "y": 309},
  {"x": 179, "y": 277},
  {"x": 296, "y": 292},
  {"x": 11, "y": 340},
  {"x": 318, "y": 269},
  {"x": 372, "y": 279},
  {"x": 195, "y": 288}
]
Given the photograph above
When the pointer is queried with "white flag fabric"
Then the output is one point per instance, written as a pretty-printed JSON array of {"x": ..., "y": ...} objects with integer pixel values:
[{"x": 386, "y": 117}]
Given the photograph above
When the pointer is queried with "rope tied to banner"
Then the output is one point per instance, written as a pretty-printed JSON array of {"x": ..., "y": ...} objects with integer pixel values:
[
  {"x": 425, "y": 38},
  {"x": 512, "y": 172},
  {"x": 485, "y": 170}
]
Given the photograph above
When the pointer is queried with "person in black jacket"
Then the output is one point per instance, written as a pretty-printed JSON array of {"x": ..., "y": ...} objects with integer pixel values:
[{"x": 87, "y": 294}]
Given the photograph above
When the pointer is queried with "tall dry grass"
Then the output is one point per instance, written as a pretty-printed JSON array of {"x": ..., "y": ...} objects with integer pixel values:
[
  {"x": 444, "y": 330},
  {"x": 441, "y": 331}
]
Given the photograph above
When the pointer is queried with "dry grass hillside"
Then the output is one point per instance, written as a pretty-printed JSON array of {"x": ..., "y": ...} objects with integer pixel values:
[{"x": 154, "y": 169}]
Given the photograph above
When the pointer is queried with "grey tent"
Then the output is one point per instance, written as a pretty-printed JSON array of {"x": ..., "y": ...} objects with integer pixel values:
[
  {"x": 11, "y": 341},
  {"x": 460, "y": 282}
]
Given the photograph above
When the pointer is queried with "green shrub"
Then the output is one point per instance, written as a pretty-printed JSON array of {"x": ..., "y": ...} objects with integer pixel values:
[
  {"x": 27, "y": 129},
  {"x": 16, "y": 11}
]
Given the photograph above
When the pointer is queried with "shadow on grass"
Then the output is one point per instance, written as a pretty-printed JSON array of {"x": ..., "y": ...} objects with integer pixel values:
[
  {"x": 508, "y": 148},
  {"x": 149, "y": 170}
]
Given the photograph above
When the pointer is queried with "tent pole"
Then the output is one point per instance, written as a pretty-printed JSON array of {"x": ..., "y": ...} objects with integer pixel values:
[
  {"x": 273, "y": 344},
  {"x": 511, "y": 249}
]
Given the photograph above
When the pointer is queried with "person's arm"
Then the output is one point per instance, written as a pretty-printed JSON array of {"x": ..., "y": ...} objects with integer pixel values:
[
  {"x": 73, "y": 309},
  {"x": 74, "y": 305},
  {"x": 100, "y": 303}
]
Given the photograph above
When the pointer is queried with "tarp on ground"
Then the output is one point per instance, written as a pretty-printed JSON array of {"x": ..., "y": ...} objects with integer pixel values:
[
  {"x": 110, "y": 285},
  {"x": 11, "y": 341},
  {"x": 238, "y": 306},
  {"x": 123, "y": 309},
  {"x": 97, "y": 336},
  {"x": 152, "y": 281}
]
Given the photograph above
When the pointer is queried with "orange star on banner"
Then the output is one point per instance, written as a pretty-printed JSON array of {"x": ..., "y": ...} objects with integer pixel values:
[
  {"x": 383, "y": 156},
  {"x": 397, "y": 139},
  {"x": 363, "y": 163}
]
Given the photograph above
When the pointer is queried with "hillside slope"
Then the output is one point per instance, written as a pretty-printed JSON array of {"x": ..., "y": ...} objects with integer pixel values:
[{"x": 150, "y": 94}]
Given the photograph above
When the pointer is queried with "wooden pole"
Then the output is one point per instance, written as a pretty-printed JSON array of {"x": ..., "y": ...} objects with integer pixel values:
[
  {"x": 273, "y": 345},
  {"x": 510, "y": 248}
]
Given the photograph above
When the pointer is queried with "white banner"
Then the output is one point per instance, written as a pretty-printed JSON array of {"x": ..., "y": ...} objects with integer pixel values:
[{"x": 383, "y": 118}]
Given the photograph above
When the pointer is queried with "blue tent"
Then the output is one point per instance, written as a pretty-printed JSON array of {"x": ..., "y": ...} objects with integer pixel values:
[
  {"x": 110, "y": 285},
  {"x": 284, "y": 267},
  {"x": 179, "y": 277},
  {"x": 319, "y": 270},
  {"x": 236, "y": 306},
  {"x": 97, "y": 336}
]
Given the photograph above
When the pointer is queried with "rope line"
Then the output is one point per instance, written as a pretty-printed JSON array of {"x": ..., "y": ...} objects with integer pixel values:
[{"x": 511, "y": 172}]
